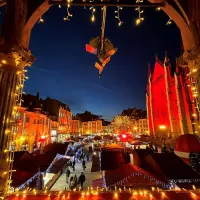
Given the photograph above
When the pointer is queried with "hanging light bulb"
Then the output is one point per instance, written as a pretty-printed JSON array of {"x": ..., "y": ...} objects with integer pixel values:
[
  {"x": 169, "y": 22},
  {"x": 41, "y": 20}
]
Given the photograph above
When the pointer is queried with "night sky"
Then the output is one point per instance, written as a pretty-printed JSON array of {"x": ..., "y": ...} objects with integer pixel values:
[{"x": 63, "y": 70}]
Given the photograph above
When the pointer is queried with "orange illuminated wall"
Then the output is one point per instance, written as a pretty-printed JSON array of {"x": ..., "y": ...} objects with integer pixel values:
[
  {"x": 64, "y": 121},
  {"x": 92, "y": 126},
  {"x": 75, "y": 126},
  {"x": 32, "y": 125}
]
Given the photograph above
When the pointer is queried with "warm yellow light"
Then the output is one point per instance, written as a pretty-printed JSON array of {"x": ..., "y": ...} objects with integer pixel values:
[
  {"x": 194, "y": 115},
  {"x": 138, "y": 21},
  {"x": 193, "y": 88},
  {"x": 158, "y": 8},
  {"x": 194, "y": 70},
  {"x": 162, "y": 127},
  {"x": 93, "y": 18},
  {"x": 135, "y": 128},
  {"x": 22, "y": 138},
  {"x": 4, "y": 61},
  {"x": 116, "y": 195}
]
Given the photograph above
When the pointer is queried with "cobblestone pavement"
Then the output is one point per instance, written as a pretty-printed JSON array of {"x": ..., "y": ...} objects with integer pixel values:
[{"x": 60, "y": 184}]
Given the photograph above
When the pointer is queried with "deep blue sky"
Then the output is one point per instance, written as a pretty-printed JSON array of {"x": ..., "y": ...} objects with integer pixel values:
[{"x": 65, "y": 71}]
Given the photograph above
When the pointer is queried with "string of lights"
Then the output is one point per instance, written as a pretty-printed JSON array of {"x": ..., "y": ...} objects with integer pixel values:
[
  {"x": 117, "y": 15},
  {"x": 69, "y": 15},
  {"x": 140, "y": 12},
  {"x": 93, "y": 10}
]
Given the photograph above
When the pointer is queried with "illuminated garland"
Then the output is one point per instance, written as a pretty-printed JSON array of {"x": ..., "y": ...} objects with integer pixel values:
[
  {"x": 125, "y": 180},
  {"x": 151, "y": 108},
  {"x": 167, "y": 95},
  {"x": 93, "y": 10},
  {"x": 140, "y": 18},
  {"x": 117, "y": 16},
  {"x": 147, "y": 107},
  {"x": 178, "y": 104},
  {"x": 69, "y": 15}
]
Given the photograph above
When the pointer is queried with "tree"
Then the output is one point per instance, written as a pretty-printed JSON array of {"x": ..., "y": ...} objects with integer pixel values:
[{"x": 121, "y": 123}]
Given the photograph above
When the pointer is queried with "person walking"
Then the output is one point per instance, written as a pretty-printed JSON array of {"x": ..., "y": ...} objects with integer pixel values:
[
  {"x": 83, "y": 165},
  {"x": 81, "y": 180},
  {"x": 67, "y": 174}
]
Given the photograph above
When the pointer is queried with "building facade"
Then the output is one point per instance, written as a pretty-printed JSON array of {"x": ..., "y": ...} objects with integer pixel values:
[
  {"x": 76, "y": 127},
  {"x": 30, "y": 129},
  {"x": 140, "y": 126},
  {"x": 170, "y": 101},
  {"x": 39, "y": 121},
  {"x": 92, "y": 127}
]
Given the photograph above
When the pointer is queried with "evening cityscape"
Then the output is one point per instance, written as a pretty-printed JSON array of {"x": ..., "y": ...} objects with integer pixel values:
[{"x": 99, "y": 99}]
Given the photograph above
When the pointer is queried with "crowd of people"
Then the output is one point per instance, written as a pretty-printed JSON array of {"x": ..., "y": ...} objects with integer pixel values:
[{"x": 79, "y": 154}]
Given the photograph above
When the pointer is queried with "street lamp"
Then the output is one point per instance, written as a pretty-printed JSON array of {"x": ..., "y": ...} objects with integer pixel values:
[{"x": 163, "y": 128}]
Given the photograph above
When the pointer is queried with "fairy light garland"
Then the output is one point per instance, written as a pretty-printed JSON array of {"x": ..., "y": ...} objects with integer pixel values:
[
  {"x": 167, "y": 95},
  {"x": 69, "y": 15},
  {"x": 140, "y": 18},
  {"x": 117, "y": 15},
  {"x": 178, "y": 104},
  {"x": 93, "y": 10}
]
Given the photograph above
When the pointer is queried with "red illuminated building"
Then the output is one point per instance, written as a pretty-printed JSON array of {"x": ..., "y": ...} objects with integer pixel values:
[{"x": 170, "y": 101}]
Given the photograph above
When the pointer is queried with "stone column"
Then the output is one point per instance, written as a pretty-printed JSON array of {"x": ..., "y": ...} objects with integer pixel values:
[{"x": 12, "y": 63}]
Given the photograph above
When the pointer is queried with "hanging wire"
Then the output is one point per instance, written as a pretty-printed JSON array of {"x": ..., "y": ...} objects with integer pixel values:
[{"x": 103, "y": 27}]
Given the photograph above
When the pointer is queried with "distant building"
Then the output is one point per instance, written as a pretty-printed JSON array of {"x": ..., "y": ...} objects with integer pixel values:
[
  {"x": 39, "y": 120},
  {"x": 170, "y": 101},
  {"x": 141, "y": 126},
  {"x": 92, "y": 127},
  {"x": 30, "y": 128},
  {"x": 76, "y": 126}
]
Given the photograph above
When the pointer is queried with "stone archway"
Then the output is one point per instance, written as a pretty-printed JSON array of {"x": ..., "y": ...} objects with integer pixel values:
[{"x": 21, "y": 16}]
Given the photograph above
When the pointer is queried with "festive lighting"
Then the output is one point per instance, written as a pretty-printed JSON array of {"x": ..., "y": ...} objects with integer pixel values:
[
  {"x": 194, "y": 70},
  {"x": 167, "y": 94},
  {"x": 169, "y": 22},
  {"x": 140, "y": 18},
  {"x": 41, "y": 20},
  {"x": 158, "y": 9},
  {"x": 69, "y": 15},
  {"x": 4, "y": 61},
  {"x": 93, "y": 10},
  {"x": 117, "y": 16}
]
